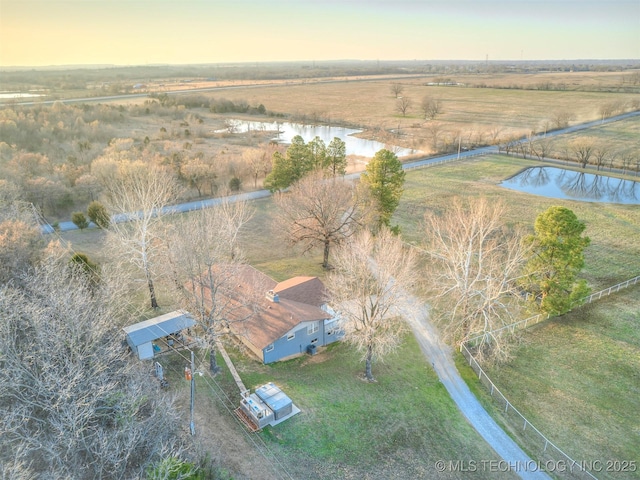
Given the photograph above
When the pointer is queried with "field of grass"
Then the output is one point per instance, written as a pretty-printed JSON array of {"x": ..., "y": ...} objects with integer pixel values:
[
  {"x": 612, "y": 257},
  {"x": 577, "y": 379},
  {"x": 473, "y": 112},
  {"x": 396, "y": 428},
  {"x": 616, "y": 138}
]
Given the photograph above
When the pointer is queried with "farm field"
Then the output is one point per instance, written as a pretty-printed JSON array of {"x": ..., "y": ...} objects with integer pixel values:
[{"x": 478, "y": 114}]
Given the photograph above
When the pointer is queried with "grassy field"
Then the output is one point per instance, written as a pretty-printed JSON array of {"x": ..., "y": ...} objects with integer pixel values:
[
  {"x": 474, "y": 112},
  {"x": 617, "y": 139},
  {"x": 577, "y": 379},
  {"x": 396, "y": 428}
]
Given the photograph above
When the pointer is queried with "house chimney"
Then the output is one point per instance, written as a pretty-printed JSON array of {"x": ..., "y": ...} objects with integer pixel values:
[{"x": 272, "y": 296}]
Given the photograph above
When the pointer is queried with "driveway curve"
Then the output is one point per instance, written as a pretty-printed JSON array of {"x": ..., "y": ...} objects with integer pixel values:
[{"x": 440, "y": 356}]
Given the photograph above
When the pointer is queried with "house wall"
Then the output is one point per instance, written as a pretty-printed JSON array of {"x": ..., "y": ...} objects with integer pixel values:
[{"x": 284, "y": 347}]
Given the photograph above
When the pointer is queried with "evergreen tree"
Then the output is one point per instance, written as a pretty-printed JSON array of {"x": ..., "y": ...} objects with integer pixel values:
[
  {"x": 557, "y": 258},
  {"x": 98, "y": 214},
  {"x": 336, "y": 158},
  {"x": 384, "y": 178},
  {"x": 79, "y": 220}
]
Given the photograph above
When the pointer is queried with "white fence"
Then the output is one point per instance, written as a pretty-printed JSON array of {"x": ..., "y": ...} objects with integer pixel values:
[{"x": 538, "y": 446}]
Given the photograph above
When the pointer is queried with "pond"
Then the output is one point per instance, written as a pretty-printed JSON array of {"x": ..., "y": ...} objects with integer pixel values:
[
  {"x": 552, "y": 182},
  {"x": 285, "y": 131},
  {"x": 17, "y": 95}
]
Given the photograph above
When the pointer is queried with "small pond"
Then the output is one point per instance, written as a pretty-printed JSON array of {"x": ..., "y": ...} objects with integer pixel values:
[
  {"x": 18, "y": 95},
  {"x": 555, "y": 182},
  {"x": 285, "y": 131}
]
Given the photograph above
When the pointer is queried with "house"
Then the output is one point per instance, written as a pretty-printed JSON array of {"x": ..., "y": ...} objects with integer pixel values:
[
  {"x": 141, "y": 336},
  {"x": 288, "y": 319}
]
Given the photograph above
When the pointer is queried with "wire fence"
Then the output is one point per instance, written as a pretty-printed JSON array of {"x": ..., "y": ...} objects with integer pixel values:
[
  {"x": 433, "y": 163},
  {"x": 546, "y": 454},
  {"x": 541, "y": 317}
]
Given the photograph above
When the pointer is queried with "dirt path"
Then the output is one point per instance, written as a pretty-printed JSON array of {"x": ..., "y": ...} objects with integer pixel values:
[{"x": 442, "y": 360}]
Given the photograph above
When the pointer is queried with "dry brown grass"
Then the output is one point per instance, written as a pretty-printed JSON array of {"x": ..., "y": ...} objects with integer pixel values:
[{"x": 474, "y": 112}]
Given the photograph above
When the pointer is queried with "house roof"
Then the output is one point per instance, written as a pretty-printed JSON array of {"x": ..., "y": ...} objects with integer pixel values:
[
  {"x": 309, "y": 290},
  {"x": 158, "y": 327},
  {"x": 300, "y": 299}
]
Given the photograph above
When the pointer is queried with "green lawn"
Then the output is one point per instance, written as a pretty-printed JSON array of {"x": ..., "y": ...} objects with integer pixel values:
[
  {"x": 348, "y": 428},
  {"x": 577, "y": 379}
]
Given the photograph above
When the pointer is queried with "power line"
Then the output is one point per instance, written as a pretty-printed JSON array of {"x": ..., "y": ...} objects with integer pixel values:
[{"x": 257, "y": 441}]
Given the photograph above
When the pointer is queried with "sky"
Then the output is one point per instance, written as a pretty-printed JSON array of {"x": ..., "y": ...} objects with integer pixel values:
[{"x": 140, "y": 32}]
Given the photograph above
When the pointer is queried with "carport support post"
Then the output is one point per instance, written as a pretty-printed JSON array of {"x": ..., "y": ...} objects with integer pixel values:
[{"x": 192, "y": 426}]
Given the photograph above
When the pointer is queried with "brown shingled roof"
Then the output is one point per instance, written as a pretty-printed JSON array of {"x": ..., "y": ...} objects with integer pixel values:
[
  {"x": 308, "y": 290},
  {"x": 300, "y": 299}
]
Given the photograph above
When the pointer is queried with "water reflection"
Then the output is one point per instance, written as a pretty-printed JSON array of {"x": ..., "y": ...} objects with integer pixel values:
[
  {"x": 285, "y": 131},
  {"x": 554, "y": 182}
]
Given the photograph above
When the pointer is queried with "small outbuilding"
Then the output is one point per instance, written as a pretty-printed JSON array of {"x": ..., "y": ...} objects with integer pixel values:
[{"x": 141, "y": 336}]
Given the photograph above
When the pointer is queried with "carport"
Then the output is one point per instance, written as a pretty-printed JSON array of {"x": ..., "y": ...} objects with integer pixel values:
[{"x": 141, "y": 336}]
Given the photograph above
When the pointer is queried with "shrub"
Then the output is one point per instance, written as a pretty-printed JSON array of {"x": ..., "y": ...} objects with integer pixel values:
[{"x": 79, "y": 220}]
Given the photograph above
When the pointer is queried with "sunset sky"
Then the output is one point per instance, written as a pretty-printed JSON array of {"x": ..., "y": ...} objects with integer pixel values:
[{"x": 133, "y": 32}]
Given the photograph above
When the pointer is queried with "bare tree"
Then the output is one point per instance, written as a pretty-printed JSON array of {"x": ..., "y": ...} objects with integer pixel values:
[
  {"x": 607, "y": 109},
  {"x": 397, "y": 89},
  {"x": 20, "y": 238},
  {"x": 319, "y": 212},
  {"x": 541, "y": 148},
  {"x": 431, "y": 107},
  {"x": 254, "y": 157},
  {"x": 72, "y": 405},
  {"x": 434, "y": 132},
  {"x": 561, "y": 118},
  {"x": 601, "y": 152},
  {"x": 367, "y": 286},
  {"x": 475, "y": 260},
  {"x": 494, "y": 134},
  {"x": 582, "y": 148},
  {"x": 403, "y": 104},
  {"x": 205, "y": 265},
  {"x": 136, "y": 195}
]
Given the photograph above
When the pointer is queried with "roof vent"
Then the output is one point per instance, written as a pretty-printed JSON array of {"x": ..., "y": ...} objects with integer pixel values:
[{"x": 272, "y": 296}]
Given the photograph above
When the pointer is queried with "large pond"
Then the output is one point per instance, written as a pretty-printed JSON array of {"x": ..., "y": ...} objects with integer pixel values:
[
  {"x": 555, "y": 182},
  {"x": 285, "y": 131}
]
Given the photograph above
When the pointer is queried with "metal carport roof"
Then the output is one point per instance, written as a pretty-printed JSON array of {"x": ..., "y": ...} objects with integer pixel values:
[{"x": 158, "y": 327}]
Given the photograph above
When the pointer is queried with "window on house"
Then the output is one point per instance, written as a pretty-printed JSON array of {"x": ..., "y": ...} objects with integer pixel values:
[
  {"x": 313, "y": 328},
  {"x": 269, "y": 348},
  {"x": 291, "y": 336}
]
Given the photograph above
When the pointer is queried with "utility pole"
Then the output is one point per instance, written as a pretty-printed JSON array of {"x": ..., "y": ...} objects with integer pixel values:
[{"x": 192, "y": 426}]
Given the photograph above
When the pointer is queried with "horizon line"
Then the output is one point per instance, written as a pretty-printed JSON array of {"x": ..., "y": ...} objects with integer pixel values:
[{"x": 344, "y": 60}]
